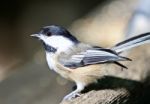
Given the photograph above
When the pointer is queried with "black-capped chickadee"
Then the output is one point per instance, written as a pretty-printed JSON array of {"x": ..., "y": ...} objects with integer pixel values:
[{"x": 79, "y": 62}]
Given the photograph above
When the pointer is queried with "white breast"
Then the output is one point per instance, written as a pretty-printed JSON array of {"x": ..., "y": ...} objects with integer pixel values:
[
  {"x": 50, "y": 61},
  {"x": 52, "y": 65}
]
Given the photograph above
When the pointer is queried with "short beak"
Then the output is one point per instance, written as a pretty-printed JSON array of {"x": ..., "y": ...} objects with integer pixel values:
[{"x": 35, "y": 35}]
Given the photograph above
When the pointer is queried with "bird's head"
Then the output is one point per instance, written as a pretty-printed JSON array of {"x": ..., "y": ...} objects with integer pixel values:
[{"x": 55, "y": 38}]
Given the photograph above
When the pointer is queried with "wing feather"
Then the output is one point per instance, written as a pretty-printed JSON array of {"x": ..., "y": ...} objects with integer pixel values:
[{"x": 92, "y": 55}]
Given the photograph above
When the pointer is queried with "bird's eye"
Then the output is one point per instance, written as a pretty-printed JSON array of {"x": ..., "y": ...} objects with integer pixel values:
[{"x": 49, "y": 34}]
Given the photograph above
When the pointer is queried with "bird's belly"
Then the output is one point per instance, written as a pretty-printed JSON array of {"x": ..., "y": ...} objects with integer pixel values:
[
  {"x": 88, "y": 74},
  {"x": 85, "y": 74},
  {"x": 53, "y": 65}
]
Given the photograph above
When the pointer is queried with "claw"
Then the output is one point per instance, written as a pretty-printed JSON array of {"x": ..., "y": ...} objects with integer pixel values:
[
  {"x": 76, "y": 93},
  {"x": 72, "y": 96}
]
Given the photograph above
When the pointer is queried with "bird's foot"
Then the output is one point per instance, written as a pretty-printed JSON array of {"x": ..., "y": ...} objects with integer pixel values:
[{"x": 72, "y": 96}]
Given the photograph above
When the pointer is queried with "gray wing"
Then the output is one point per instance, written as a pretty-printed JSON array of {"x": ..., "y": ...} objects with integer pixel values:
[{"x": 91, "y": 56}]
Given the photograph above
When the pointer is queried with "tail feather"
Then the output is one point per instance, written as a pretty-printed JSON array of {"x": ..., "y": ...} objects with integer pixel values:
[
  {"x": 121, "y": 65},
  {"x": 132, "y": 42}
]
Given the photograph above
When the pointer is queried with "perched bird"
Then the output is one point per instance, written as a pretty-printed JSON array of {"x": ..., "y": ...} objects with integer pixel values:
[{"x": 80, "y": 62}]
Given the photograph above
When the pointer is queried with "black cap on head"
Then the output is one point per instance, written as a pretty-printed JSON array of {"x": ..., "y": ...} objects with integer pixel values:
[{"x": 57, "y": 30}]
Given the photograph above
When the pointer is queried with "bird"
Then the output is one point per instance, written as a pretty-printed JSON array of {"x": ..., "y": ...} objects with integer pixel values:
[{"x": 80, "y": 62}]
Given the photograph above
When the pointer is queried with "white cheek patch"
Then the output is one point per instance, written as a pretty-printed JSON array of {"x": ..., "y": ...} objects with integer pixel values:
[{"x": 59, "y": 42}]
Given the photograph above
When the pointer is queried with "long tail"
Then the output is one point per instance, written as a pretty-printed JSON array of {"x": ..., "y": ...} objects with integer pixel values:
[{"x": 132, "y": 42}]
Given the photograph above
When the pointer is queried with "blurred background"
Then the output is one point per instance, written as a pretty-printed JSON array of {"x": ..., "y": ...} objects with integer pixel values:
[{"x": 24, "y": 75}]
